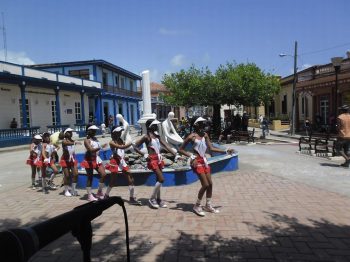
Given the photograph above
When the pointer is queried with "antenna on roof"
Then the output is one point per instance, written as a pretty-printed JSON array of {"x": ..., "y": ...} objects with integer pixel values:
[{"x": 4, "y": 35}]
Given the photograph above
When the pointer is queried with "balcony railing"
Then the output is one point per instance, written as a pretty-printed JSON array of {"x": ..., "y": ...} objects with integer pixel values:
[
  {"x": 40, "y": 74},
  {"x": 121, "y": 91}
]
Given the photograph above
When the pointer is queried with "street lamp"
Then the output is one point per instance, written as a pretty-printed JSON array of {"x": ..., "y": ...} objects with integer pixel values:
[
  {"x": 336, "y": 61},
  {"x": 292, "y": 127}
]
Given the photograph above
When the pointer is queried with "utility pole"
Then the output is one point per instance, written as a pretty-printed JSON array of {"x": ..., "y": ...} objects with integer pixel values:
[
  {"x": 292, "y": 127},
  {"x": 4, "y": 35}
]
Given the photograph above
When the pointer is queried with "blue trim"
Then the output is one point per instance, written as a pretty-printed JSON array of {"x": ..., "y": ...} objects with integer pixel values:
[
  {"x": 98, "y": 110},
  {"x": 82, "y": 108},
  {"x": 138, "y": 110},
  {"x": 24, "y": 111},
  {"x": 63, "y": 69},
  {"x": 115, "y": 112},
  {"x": 127, "y": 111},
  {"x": 22, "y": 67},
  {"x": 58, "y": 110}
]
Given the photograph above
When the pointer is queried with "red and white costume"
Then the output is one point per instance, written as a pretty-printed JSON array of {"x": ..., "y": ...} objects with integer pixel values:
[
  {"x": 92, "y": 159},
  {"x": 155, "y": 160},
  {"x": 34, "y": 158},
  {"x": 202, "y": 166},
  {"x": 117, "y": 162},
  {"x": 68, "y": 157},
  {"x": 49, "y": 149}
]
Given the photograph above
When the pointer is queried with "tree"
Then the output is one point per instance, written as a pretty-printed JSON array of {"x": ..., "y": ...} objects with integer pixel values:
[{"x": 233, "y": 84}]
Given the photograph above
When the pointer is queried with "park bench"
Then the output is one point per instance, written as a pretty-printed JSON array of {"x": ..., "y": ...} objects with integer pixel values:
[
  {"x": 319, "y": 142},
  {"x": 238, "y": 136}
]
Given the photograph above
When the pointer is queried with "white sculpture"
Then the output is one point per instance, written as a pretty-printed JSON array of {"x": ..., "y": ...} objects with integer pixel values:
[
  {"x": 126, "y": 133},
  {"x": 169, "y": 134}
]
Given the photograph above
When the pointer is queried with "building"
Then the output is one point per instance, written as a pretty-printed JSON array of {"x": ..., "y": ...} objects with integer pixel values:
[
  {"x": 159, "y": 107},
  {"x": 318, "y": 94},
  {"x": 118, "y": 93},
  {"x": 41, "y": 99}
]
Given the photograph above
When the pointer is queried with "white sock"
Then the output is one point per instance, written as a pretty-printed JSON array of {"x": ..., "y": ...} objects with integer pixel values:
[
  {"x": 65, "y": 188},
  {"x": 33, "y": 181},
  {"x": 131, "y": 190},
  {"x": 155, "y": 190},
  {"x": 100, "y": 186},
  {"x": 88, "y": 190},
  {"x": 43, "y": 182},
  {"x": 74, "y": 185},
  {"x": 208, "y": 201},
  {"x": 158, "y": 193},
  {"x": 52, "y": 176},
  {"x": 198, "y": 202},
  {"x": 108, "y": 190}
]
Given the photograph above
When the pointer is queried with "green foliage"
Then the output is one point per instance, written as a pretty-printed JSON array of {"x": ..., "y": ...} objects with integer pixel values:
[{"x": 233, "y": 84}]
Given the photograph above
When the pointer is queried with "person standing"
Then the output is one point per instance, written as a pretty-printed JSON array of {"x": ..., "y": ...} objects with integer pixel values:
[
  {"x": 343, "y": 139},
  {"x": 154, "y": 159},
  {"x": 69, "y": 163},
  {"x": 199, "y": 163},
  {"x": 117, "y": 164},
  {"x": 92, "y": 161},
  {"x": 13, "y": 123},
  {"x": 34, "y": 159}
]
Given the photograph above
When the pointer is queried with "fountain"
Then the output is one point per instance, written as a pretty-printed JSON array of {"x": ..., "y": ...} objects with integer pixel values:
[{"x": 176, "y": 172}]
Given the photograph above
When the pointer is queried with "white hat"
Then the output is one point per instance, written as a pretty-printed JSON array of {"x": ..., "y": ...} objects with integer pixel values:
[
  {"x": 199, "y": 119},
  {"x": 155, "y": 122},
  {"x": 68, "y": 130},
  {"x": 93, "y": 127},
  {"x": 38, "y": 137},
  {"x": 118, "y": 129}
]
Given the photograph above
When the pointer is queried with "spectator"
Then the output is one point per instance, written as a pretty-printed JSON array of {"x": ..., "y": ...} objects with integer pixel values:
[
  {"x": 265, "y": 127},
  {"x": 13, "y": 123},
  {"x": 343, "y": 139},
  {"x": 307, "y": 127},
  {"x": 245, "y": 120}
]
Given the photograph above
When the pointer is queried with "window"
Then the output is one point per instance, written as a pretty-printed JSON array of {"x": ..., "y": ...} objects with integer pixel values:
[
  {"x": 83, "y": 73},
  {"x": 284, "y": 104},
  {"x": 104, "y": 79},
  {"x": 116, "y": 81},
  {"x": 304, "y": 107},
  {"x": 120, "y": 108},
  {"x": 122, "y": 82},
  {"x": 21, "y": 114},
  {"x": 53, "y": 113},
  {"x": 77, "y": 112}
]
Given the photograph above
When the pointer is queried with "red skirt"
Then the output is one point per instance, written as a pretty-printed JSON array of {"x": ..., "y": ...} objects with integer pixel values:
[
  {"x": 34, "y": 161},
  {"x": 154, "y": 163},
  {"x": 201, "y": 168},
  {"x": 52, "y": 162},
  {"x": 66, "y": 163},
  {"x": 115, "y": 166},
  {"x": 90, "y": 163}
]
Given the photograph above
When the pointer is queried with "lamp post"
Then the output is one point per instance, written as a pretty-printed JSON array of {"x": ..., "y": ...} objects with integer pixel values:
[
  {"x": 295, "y": 56},
  {"x": 336, "y": 61}
]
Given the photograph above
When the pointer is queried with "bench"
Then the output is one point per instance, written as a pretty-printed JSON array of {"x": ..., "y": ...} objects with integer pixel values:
[
  {"x": 319, "y": 142},
  {"x": 238, "y": 136}
]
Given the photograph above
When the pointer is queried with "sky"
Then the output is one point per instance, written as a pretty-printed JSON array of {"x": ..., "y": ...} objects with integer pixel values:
[{"x": 165, "y": 36}]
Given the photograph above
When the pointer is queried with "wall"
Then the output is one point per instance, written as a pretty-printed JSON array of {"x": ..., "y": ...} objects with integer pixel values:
[{"x": 9, "y": 106}]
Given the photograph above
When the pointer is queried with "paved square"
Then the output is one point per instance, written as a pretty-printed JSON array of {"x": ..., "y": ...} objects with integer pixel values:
[{"x": 263, "y": 218}]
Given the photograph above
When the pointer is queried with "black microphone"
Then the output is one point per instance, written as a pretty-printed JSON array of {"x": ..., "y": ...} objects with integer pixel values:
[{"x": 20, "y": 244}]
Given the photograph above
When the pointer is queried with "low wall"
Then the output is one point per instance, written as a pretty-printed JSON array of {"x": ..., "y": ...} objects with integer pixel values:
[{"x": 276, "y": 124}]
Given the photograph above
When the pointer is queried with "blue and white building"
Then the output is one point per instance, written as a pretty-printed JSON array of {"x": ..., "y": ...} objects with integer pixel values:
[{"x": 119, "y": 93}]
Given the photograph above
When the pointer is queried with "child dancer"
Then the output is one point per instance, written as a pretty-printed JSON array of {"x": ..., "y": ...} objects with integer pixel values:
[
  {"x": 68, "y": 163},
  {"x": 154, "y": 159},
  {"x": 117, "y": 164},
  {"x": 200, "y": 141},
  {"x": 34, "y": 157},
  {"x": 48, "y": 158},
  {"x": 93, "y": 161}
]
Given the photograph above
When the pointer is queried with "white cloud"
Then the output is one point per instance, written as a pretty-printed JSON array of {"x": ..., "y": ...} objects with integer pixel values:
[
  {"x": 178, "y": 60},
  {"x": 306, "y": 66},
  {"x": 165, "y": 31},
  {"x": 20, "y": 58}
]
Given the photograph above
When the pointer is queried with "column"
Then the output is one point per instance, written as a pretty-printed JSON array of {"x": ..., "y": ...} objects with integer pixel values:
[
  {"x": 82, "y": 107},
  {"x": 114, "y": 112},
  {"x": 24, "y": 109},
  {"x": 138, "y": 110},
  {"x": 98, "y": 109},
  {"x": 58, "y": 111},
  {"x": 127, "y": 111}
]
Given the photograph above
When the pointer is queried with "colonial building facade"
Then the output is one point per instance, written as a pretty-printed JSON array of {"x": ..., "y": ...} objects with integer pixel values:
[{"x": 119, "y": 94}]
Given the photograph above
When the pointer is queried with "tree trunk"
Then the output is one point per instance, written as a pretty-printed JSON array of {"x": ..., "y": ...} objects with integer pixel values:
[{"x": 216, "y": 119}]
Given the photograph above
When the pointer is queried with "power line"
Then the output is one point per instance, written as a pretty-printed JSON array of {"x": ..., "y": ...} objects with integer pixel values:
[
  {"x": 4, "y": 35},
  {"x": 326, "y": 49}
]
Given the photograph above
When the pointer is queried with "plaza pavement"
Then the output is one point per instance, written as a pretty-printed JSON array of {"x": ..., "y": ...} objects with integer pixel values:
[{"x": 270, "y": 211}]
